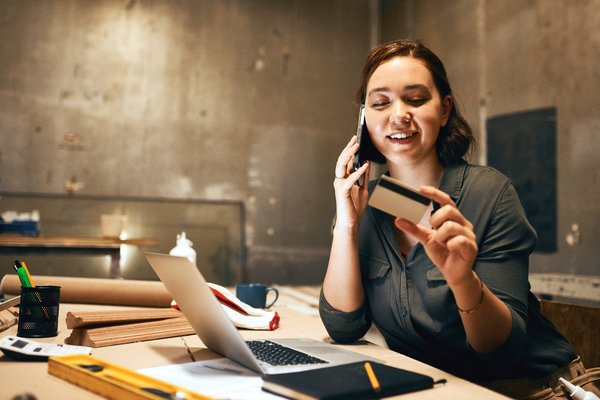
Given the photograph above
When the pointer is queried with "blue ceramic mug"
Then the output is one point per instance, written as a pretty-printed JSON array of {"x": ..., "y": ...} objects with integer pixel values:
[{"x": 255, "y": 294}]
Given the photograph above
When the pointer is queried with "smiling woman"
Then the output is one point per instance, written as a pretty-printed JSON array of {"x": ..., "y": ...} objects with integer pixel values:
[
  {"x": 404, "y": 114},
  {"x": 452, "y": 289},
  {"x": 456, "y": 137}
]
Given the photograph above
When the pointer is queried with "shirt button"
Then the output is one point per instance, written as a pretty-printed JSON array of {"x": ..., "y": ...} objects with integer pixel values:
[{"x": 404, "y": 311}]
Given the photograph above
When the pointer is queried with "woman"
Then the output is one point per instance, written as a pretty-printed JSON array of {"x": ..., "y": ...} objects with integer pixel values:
[{"x": 451, "y": 291}]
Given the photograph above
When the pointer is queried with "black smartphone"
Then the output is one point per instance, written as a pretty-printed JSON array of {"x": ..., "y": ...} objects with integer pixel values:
[{"x": 362, "y": 136}]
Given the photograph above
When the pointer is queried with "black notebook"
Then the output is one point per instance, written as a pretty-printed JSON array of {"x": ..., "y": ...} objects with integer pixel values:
[{"x": 347, "y": 382}]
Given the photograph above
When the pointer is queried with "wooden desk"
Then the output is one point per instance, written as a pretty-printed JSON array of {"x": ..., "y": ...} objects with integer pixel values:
[
  {"x": 20, "y": 377},
  {"x": 80, "y": 245}
]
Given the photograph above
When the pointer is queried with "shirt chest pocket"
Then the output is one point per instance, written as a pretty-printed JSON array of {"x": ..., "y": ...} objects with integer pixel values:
[
  {"x": 377, "y": 278},
  {"x": 378, "y": 283},
  {"x": 435, "y": 277},
  {"x": 438, "y": 301},
  {"x": 437, "y": 290},
  {"x": 373, "y": 268}
]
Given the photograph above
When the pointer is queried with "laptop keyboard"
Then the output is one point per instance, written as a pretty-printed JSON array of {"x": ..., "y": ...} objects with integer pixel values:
[{"x": 276, "y": 354}]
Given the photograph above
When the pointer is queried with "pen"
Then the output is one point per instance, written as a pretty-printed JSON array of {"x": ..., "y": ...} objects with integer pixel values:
[
  {"x": 32, "y": 284},
  {"x": 372, "y": 378},
  {"x": 22, "y": 273},
  {"x": 27, "y": 281}
]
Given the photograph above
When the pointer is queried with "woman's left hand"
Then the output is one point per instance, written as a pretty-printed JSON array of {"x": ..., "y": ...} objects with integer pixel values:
[{"x": 450, "y": 242}]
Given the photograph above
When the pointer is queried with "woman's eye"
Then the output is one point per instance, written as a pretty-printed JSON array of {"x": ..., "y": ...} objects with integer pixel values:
[
  {"x": 379, "y": 104},
  {"x": 417, "y": 101}
]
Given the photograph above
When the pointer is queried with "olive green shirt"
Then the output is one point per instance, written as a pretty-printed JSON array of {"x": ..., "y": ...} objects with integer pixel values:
[{"x": 410, "y": 302}]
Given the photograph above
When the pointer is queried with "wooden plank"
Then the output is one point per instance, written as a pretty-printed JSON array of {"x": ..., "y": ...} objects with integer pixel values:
[
  {"x": 7, "y": 319},
  {"x": 82, "y": 319},
  {"x": 130, "y": 333},
  {"x": 10, "y": 303}
]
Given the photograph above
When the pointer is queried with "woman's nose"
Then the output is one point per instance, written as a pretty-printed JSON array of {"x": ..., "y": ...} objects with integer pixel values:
[{"x": 400, "y": 113}]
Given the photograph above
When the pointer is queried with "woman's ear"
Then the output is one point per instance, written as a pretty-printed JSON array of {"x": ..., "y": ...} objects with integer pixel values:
[{"x": 446, "y": 108}]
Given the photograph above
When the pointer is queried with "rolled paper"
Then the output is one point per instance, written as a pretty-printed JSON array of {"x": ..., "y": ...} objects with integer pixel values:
[{"x": 98, "y": 290}]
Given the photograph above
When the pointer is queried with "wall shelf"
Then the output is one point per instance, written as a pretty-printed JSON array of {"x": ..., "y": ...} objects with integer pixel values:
[
  {"x": 73, "y": 242},
  {"x": 16, "y": 244}
]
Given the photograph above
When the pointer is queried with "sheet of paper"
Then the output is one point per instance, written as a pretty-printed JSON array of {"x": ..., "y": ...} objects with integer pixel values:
[{"x": 220, "y": 378}]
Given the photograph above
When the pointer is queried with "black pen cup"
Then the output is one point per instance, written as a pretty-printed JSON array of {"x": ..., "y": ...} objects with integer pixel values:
[{"x": 38, "y": 311}]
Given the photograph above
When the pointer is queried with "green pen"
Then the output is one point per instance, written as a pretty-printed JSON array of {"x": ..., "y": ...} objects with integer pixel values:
[
  {"x": 22, "y": 273},
  {"x": 26, "y": 282}
]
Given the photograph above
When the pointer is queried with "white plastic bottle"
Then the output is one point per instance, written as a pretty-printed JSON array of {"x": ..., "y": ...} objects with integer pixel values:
[
  {"x": 184, "y": 248},
  {"x": 576, "y": 392}
]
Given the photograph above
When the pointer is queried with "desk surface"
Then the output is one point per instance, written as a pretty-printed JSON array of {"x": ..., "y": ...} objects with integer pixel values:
[{"x": 298, "y": 319}]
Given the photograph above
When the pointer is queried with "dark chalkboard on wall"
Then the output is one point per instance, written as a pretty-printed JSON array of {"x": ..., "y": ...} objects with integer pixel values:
[{"x": 522, "y": 146}]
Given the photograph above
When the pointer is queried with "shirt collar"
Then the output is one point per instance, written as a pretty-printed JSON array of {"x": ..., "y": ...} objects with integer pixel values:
[{"x": 453, "y": 179}]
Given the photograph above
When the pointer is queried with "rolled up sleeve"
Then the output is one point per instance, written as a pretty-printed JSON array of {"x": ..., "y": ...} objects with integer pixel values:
[
  {"x": 510, "y": 351},
  {"x": 344, "y": 327},
  {"x": 503, "y": 266}
]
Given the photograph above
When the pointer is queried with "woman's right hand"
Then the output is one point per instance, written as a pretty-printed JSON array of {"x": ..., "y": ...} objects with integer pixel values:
[
  {"x": 342, "y": 286},
  {"x": 350, "y": 199}
]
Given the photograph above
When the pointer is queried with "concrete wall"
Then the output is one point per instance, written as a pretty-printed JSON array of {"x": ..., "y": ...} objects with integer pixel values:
[
  {"x": 252, "y": 100},
  {"x": 247, "y": 100},
  {"x": 514, "y": 55}
]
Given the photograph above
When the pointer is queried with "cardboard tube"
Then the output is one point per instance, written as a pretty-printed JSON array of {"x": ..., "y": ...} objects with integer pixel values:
[{"x": 97, "y": 290}]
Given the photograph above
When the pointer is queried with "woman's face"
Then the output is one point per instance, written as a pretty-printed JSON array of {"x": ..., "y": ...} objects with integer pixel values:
[{"x": 404, "y": 111}]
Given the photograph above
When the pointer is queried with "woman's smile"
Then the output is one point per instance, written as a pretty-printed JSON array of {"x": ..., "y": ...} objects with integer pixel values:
[{"x": 402, "y": 137}]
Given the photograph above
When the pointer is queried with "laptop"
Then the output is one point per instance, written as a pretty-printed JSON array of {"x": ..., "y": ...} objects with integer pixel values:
[{"x": 205, "y": 314}]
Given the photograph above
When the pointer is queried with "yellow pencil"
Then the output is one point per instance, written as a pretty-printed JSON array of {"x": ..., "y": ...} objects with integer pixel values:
[
  {"x": 372, "y": 378},
  {"x": 28, "y": 275}
]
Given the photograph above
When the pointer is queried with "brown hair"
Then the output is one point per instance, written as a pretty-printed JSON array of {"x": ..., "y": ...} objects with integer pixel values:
[{"x": 456, "y": 137}]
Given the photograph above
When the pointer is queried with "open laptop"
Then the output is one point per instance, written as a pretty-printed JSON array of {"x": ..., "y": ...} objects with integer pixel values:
[{"x": 205, "y": 314}]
